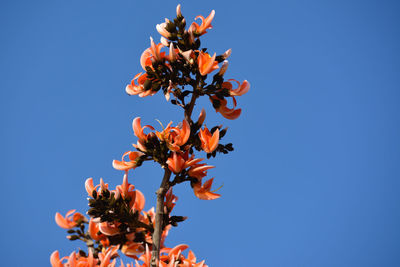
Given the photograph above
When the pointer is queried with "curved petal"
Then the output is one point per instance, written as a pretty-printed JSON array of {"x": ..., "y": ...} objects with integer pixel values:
[
  {"x": 89, "y": 186},
  {"x": 55, "y": 259},
  {"x": 177, "y": 249},
  {"x": 139, "y": 200},
  {"x": 64, "y": 222}
]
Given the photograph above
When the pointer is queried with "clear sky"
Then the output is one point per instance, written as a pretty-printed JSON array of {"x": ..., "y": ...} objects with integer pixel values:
[{"x": 314, "y": 179}]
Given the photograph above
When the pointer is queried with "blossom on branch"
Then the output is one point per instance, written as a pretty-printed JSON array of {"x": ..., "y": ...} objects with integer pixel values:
[
  {"x": 205, "y": 24},
  {"x": 127, "y": 165},
  {"x": 207, "y": 63},
  {"x": 209, "y": 142},
  {"x": 70, "y": 220},
  {"x": 151, "y": 54},
  {"x": 175, "y": 136},
  {"x": 74, "y": 259},
  {"x": 240, "y": 90},
  {"x": 228, "y": 113},
  {"x": 171, "y": 257},
  {"x": 203, "y": 191}
]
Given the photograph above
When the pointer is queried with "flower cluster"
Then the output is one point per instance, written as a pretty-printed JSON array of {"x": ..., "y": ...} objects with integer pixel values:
[
  {"x": 173, "y": 148},
  {"x": 170, "y": 257},
  {"x": 117, "y": 220},
  {"x": 180, "y": 68},
  {"x": 185, "y": 63}
]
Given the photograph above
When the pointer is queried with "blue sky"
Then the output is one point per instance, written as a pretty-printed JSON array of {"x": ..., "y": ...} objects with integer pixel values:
[{"x": 314, "y": 179}]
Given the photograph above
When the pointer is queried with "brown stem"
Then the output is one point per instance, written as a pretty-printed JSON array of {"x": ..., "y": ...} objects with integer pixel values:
[
  {"x": 189, "y": 110},
  {"x": 155, "y": 253}
]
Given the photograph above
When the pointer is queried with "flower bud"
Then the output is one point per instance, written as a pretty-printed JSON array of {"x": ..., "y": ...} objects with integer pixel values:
[
  {"x": 227, "y": 53},
  {"x": 224, "y": 67},
  {"x": 172, "y": 53},
  {"x": 202, "y": 117},
  {"x": 164, "y": 41},
  {"x": 191, "y": 35},
  {"x": 161, "y": 28},
  {"x": 178, "y": 10}
]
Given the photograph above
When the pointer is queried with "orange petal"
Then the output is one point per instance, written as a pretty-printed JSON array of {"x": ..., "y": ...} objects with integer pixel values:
[
  {"x": 64, "y": 222},
  {"x": 93, "y": 230},
  {"x": 139, "y": 200},
  {"x": 55, "y": 259},
  {"x": 89, "y": 186},
  {"x": 177, "y": 249}
]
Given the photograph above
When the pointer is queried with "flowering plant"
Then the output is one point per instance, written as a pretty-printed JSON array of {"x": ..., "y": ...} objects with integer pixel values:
[{"x": 117, "y": 219}]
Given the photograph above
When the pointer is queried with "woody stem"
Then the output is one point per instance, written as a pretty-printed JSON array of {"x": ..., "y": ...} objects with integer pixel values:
[
  {"x": 158, "y": 229},
  {"x": 189, "y": 110}
]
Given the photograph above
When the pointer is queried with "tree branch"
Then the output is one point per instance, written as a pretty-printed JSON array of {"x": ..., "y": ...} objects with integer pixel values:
[
  {"x": 155, "y": 253},
  {"x": 165, "y": 184},
  {"x": 189, "y": 110}
]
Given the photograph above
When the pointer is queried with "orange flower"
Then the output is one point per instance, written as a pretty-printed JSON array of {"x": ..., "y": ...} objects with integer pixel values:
[
  {"x": 138, "y": 129},
  {"x": 125, "y": 189},
  {"x": 240, "y": 90},
  {"x": 177, "y": 250},
  {"x": 127, "y": 165},
  {"x": 199, "y": 170},
  {"x": 55, "y": 259},
  {"x": 106, "y": 256},
  {"x": 180, "y": 135},
  {"x": 138, "y": 89},
  {"x": 94, "y": 231},
  {"x": 228, "y": 113},
  {"x": 170, "y": 199},
  {"x": 139, "y": 201},
  {"x": 74, "y": 259},
  {"x": 153, "y": 53},
  {"x": 145, "y": 257},
  {"x": 155, "y": 50},
  {"x": 70, "y": 221},
  {"x": 132, "y": 249},
  {"x": 177, "y": 162},
  {"x": 203, "y": 191},
  {"x": 209, "y": 142},
  {"x": 90, "y": 187},
  {"x": 109, "y": 229},
  {"x": 164, "y": 135},
  {"x": 205, "y": 23},
  {"x": 175, "y": 257},
  {"x": 191, "y": 259},
  {"x": 175, "y": 136},
  {"x": 207, "y": 64}
]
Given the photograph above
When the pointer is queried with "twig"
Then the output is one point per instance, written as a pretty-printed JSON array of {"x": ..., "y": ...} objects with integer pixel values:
[
  {"x": 158, "y": 229},
  {"x": 155, "y": 253},
  {"x": 189, "y": 110}
]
